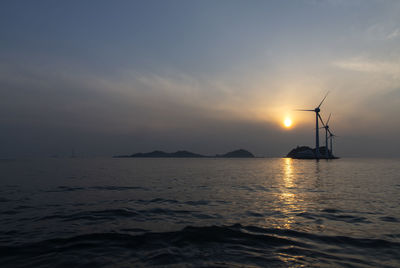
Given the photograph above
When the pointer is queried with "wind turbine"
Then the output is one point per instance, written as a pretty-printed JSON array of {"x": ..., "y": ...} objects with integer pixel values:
[
  {"x": 317, "y": 116},
  {"x": 331, "y": 136},
  {"x": 326, "y": 127}
]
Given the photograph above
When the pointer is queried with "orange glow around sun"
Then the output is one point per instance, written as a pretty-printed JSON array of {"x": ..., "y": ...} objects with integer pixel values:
[{"x": 287, "y": 122}]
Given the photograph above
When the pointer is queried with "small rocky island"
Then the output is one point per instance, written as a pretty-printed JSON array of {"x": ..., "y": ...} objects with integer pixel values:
[
  {"x": 237, "y": 154},
  {"x": 305, "y": 152},
  {"x": 241, "y": 153}
]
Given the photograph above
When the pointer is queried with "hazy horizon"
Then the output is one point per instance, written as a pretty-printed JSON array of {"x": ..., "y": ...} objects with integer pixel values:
[{"x": 106, "y": 78}]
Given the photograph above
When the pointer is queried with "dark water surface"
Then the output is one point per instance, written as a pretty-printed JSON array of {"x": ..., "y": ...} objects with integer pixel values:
[{"x": 199, "y": 212}]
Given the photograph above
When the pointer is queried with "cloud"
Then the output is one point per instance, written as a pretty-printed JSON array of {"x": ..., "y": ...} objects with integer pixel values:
[
  {"x": 128, "y": 110},
  {"x": 393, "y": 35},
  {"x": 365, "y": 65}
]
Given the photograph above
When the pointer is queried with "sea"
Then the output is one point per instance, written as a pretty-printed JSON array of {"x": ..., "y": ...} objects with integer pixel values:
[{"x": 164, "y": 212}]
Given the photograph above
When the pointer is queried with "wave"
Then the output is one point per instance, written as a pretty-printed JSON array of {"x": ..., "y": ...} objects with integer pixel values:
[
  {"x": 216, "y": 246},
  {"x": 101, "y": 188},
  {"x": 115, "y": 214},
  {"x": 334, "y": 215},
  {"x": 156, "y": 200},
  {"x": 109, "y": 214},
  {"x": 389, "y": 219}
]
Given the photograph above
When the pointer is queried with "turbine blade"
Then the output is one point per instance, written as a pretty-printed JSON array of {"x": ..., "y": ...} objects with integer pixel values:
[
  {"x": 304, "y": 110},
  {"x": 333, "y": 135},
  {"x": 322, "y": 121},
  {"x": 323, "y": 99},
  {"x": 329, "y": 118}
]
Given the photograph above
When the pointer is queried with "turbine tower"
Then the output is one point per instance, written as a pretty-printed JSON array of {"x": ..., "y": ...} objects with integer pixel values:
[
  {"x": 317, "y": 116},
  {"x": 326, "y": 127},
  {"x": 331, "y": 136}
]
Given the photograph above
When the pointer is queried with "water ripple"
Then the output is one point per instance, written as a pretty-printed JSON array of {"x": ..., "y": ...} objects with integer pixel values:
[{"x": 222, "y": 246}]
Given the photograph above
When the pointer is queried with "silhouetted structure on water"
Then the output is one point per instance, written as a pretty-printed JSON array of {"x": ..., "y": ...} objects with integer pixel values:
[{"x": 305, "y": 152}]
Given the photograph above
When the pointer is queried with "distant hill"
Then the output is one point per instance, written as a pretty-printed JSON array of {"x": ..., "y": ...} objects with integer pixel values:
[
  {"x": 157, "y": 154},
  {"x": 238, "y": 154},
  {"x": 185, "y": 154}
]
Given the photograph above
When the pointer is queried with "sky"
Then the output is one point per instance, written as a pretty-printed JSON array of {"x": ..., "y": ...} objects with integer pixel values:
[{"x": 104, "y": 78}]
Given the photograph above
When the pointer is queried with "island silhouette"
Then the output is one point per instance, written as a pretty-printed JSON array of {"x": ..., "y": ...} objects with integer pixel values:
[
  {"x": 305, "y": 152},
  {"x": 240, "y": 153}
]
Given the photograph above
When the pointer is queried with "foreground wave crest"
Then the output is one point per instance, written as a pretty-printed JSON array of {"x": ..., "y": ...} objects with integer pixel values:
[{"x": 217, "y": 246}]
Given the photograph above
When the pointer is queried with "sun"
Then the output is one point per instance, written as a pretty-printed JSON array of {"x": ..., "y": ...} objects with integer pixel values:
[{"x": 287, "y": 122}]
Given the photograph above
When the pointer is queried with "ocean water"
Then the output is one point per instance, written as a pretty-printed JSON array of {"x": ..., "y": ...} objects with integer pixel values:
[{"x": 200, "y": 213}]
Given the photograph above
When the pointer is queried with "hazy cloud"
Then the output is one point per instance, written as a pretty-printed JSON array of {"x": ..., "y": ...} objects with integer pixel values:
[
  {"x": 393, "y": 35},
  {"x": 204, "y": 76},
  {"x": 391, "y": 68}
]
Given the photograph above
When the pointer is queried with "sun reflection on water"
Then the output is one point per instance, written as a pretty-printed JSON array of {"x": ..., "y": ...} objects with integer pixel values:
[
  {"x": 288, "y": 197},
  {"x": 288, "y": 172},
  {"x": 289, "y": 203}
]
